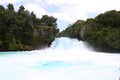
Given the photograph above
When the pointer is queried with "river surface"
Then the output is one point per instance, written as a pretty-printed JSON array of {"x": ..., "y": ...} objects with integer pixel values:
[{"x": 66, "y": 59}]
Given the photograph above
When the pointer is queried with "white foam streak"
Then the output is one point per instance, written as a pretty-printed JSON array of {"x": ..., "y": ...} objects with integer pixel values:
[{"x": 67, "y": 59}]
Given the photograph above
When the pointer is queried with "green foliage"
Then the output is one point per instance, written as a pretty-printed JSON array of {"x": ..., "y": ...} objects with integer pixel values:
[
  {"x": 10, "y": 7},
  {"x": 48, "y": 34},
  {"x": 109, "y": 18},
  {"x": 104, "y": 32},
  {"x": 2, "y": 8},
  {"x": 17, "y": 29},
  {"x": 106, "y": 39},
  {"x": 73, "y": 31},
  {"x": 48, "y": 21}
]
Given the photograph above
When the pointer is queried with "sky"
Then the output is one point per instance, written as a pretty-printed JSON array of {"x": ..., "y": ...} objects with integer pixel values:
[{"x": 66, "y": 11}]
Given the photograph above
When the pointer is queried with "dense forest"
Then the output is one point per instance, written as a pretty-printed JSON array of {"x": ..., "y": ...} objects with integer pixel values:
[
  {"x": 22, "y": 30},
  {"x": 73, "y": 31},
  {"x": 102, "y": 32}
]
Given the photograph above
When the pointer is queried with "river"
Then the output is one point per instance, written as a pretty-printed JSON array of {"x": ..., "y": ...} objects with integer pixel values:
[{"x": 66, "y": 59}]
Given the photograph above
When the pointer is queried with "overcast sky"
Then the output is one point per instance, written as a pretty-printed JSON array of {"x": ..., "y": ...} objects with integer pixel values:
[{"x": 66, "y": 11}]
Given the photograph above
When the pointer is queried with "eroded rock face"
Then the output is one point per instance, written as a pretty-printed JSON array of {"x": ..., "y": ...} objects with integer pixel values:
[{"x": 45, "y": 35}]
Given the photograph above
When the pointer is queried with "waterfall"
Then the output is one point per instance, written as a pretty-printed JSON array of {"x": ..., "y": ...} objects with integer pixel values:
[{"x": 66, "y": 59}]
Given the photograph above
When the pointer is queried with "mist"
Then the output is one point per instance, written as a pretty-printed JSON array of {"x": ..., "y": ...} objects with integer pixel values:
[{"x": 66, "y": 59}]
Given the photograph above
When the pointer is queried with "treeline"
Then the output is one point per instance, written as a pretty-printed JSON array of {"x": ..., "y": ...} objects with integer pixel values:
[
  {"x": 73, "y": 31},
  {"x": 22, "y": 30},
  {"x": 102, "y": 32}
]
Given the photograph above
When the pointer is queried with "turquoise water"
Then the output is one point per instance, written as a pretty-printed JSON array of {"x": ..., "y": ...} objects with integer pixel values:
[{"x": 66, "y": 59}]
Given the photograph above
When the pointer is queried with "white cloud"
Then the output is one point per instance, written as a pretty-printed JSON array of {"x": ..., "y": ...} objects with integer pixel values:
[
  {"x": 71, "y": 10},
  {"x": 67, "y": 10},
  {"x": 38, "y": 10},
  {"x": 8, "y": 1}
]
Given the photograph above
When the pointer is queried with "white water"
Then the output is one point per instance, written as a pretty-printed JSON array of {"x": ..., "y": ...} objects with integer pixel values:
[{"x": 67, "y": 59}]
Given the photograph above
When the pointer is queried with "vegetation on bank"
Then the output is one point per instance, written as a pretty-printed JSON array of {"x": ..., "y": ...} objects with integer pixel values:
[
  {"x": 73, "y": 31},
  {"x": 102, "y": 32},
  {"x": 22, "y": 30}
]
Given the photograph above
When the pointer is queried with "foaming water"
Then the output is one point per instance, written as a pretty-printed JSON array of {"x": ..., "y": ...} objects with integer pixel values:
[{"x": 66, "y": 59}]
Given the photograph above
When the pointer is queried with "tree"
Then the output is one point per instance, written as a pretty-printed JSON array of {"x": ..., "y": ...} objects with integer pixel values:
[
  {"x": 2, "y": 8},
  {"x": 73, "y": 31},
  {"x": 109, "y": 18},
  {"x": 21, "y": 9},
  {"x": 103, "y": 32},
  {"x": 10, "y": 7},
  {"x": 49, "y": 21},
  {"x": 17, "y": 29}
]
